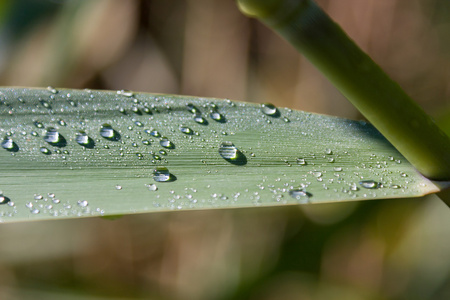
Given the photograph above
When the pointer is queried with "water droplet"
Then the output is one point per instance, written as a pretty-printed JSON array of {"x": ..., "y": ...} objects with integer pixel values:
[
  {"x": 286, "y": 119},
  {"x": 300, "y": 195},
  {"x": 38, "y": 124},
  {"x": 328, "y": 151},
  {"x": 162, "y": 174},
  {"x": 192, "y": 108},
  {"x": 164, "y": 142},
  {"x": 154, "y": 133},
  {"x": 62, "y": 122},
  {"x": 230, "y": 153},
  {"x": 84, "y": 140},
  {"x": 54, "y": 138},
  {"x": 139, "y": 124},
  {"x": 9, "y": 145},
  {"x": 118, "y": 187},
  {"x": 337, "y": 169},
  {"x": 45, "y": 104},
  {"x": 125, "y": 93},
  {"x": 186, "y": 130},
  {"x": 109, "y": 133},
  {"x": 82, "y": 203},
  {"x": 216, "y": 116},
  {"x": 200, "y": 120},
  {"x": 369, "y": 184},
  {"x": 4, "y": 199},
  {"x": 270, "y": 110},
  {"x": 52, "y": 90},
  {"x": 45, "y": 151},
  {"x": 301, "y": 161},
  {"x": 152, "y": 187}
]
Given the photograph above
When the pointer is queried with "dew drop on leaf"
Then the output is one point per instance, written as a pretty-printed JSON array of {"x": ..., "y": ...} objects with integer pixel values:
[
  {"x": 200, "y": 120},
  {"x": 9, "y": 145},
  {"x": 186, "y": 130},
  {"x": 162, "y": 174},
  {"x": 230, "y": 153},
  {"x": 54, "y": 138},
  {"x": 270, "y": 110},
  {"x": 369, "y": 184},
  {"x": 84, "y": 140},
  {"x": 45, "y": 151},
  {"x": 109, "y": 133},
  {"x": 166, "y": 143},
  {"x": 300, "y": 194}
]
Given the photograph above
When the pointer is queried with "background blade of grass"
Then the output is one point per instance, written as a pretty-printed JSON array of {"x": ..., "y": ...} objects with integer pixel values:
[{"x": 284, "y": 156}]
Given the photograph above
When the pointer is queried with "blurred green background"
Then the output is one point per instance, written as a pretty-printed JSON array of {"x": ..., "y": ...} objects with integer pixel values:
[{"x": 385, "y": 249}]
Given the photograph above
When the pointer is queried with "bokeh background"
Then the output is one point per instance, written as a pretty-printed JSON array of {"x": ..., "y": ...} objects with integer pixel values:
[{"x": 385, "y": 249}]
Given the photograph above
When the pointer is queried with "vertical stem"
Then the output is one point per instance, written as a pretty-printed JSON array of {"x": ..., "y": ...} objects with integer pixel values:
[{"x": 360, "y": 80}]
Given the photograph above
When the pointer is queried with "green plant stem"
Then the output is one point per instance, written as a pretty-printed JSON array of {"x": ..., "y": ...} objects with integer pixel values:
[{"x": 375, "y": 95}]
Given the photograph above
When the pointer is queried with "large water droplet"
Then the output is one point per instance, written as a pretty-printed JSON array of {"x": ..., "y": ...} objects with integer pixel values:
[
  {"x": 230, "y": 153},
  {"x": 109, "y": 133},
  {"x": 270, "y": 110},
  {"x": 54, "y": 138},
  {"x": 9, "y": 144},
  {"x": 166, "y": 143},
  {"x": 84, "y": 140},
  {"x": 162, "y": 174},
  {"x": 369, "y": 184}
]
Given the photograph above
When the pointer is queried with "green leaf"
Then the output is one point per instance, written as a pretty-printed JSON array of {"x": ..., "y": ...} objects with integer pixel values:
[{"x": 80, "y": 153}]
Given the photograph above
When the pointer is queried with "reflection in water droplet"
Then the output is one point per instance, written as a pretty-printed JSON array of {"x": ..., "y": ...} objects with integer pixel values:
[
  {"x": 109, "y": 133},
  {"x": 300, "y": 195},
  {"x": 166, "y": 143},
  {"x": 54, "y": 138},
  {"x": 270, "y": 110},
  {"x": 45, "y": 151},
  {"x": 154, "y": 133},
  {"x": 84, "y": 140},
  {"x": 230, "y": 153},
  {"x": 45, "y": 104},
  {"x": 369, "y": 184},
  {"x": 200, "y": 120},
  {"x": 301, "y": 161},
  {"x": 162, "y": 174},
  {"x": 9, "y": 145}
]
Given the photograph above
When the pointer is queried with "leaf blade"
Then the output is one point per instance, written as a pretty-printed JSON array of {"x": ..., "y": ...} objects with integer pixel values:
[{"x": 291, "y": 157}]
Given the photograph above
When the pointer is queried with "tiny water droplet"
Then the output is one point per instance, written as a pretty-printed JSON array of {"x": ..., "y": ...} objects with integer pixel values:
[
  {"x": 152, "y": 187},
  {"x": 45, "y": 151},
  {"x": 369, "y": 184},
  {"x": 125, "y": 93},
  {"x": 186, "y": 130},
  {"x": 109, "y": 133},
  {"x": 139, "y": 124},
  {"x": 52, "y": 90},
  {"x": 328, "y": 151},
  {"x": 230, "y": 153},
  {"x": 45, "y": 104},
  {"x": 82, "y": 203},
  {"x": 154, "y": 133},
  {"x": 301, "y": 161},
  {"x": 38, "y": 124},
  {"x": 162, "y": 174},
  {"x": 200, "y": 120},
  {"x": 118, "y": 187},
  {"x": 337, "y": 169},
  {"x": 192, "y": 108},
  {"x": 270, "y": 110},
  {"x": 62, "y": 122},
  {"x": 164, "y": 142}
]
